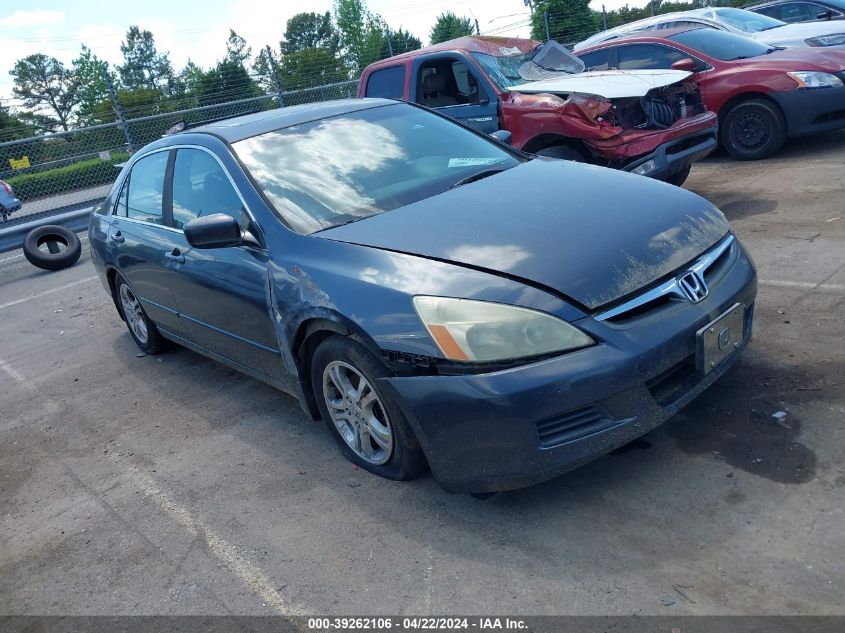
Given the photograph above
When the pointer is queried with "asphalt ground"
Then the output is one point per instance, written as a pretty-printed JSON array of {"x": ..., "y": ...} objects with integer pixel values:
[{"x": 171, "y": 485}]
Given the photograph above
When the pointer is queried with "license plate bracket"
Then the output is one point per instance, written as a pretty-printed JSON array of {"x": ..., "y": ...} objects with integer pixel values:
[{"x": 720, "y": 338}]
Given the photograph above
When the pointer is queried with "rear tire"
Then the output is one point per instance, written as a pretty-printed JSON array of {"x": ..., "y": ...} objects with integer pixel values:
[
  {"x": 563, "y": 152},
  {"x": 370, "y": 429},
  {"x": 63, "y": 247},
  {"x": 143, "y": 331},
  {"x": 753, "y": 129},
  {"x": 679, "y": 177}
]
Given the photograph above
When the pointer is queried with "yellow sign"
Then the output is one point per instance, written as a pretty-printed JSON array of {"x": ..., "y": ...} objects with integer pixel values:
[{"x": 19, "y": 163}]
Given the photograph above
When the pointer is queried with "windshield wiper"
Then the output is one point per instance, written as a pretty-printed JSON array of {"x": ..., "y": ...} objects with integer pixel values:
[{"x": 478, "y": 176}]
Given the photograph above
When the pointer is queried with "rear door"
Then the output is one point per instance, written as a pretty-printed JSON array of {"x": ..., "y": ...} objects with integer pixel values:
[
  {"x": 222, "y": 293},
  {"x": 141, "y": 240},
  {"x": 452, "y": 85}
]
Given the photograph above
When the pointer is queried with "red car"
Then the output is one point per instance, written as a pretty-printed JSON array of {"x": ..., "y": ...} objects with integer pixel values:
[
  {"x": 763, "y": 94},
  {"x": 535, "y": 95}
]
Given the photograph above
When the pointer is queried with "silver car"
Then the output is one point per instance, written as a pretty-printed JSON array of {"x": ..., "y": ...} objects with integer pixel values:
[
  {"x": 9, "y": 203},
  {"x": 753, "y": 25}
]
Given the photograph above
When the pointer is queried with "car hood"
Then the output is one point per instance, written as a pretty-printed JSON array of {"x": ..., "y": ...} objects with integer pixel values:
[
  {"x": 795, "y": 34},
  {"x": 590, "y": 234},
  {"x": 610, "y": 84}
]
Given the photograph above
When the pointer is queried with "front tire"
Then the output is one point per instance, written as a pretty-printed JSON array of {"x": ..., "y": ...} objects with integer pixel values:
[
  {"x": 143, "y": 331},
  {"x": 562, "y": 152},
  {"x": 753, "y": 130},
  {"x": 370, "y": 429}
]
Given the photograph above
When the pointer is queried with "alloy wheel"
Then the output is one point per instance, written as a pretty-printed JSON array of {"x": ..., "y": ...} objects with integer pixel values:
[
  {"x": 357, "y": 413},
  {"x": 134, "y": 314}
]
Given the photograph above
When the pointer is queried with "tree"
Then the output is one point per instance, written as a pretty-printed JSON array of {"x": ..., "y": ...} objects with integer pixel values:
[
  {"x": 48, "y": 89},
  {"x": 12, "y": 128},
  {"x": 263, "y": 66},
  {"x": 143, "y": 66},
  {"x": 401, "y": 42},
  {"x": 228, "y": 81},
  {"x": 310, "y": 30},
  {"x": 237, "y": 51},
  {"x": 311, "y": 67},
  {"x": 93, "y": 88},
  {"x": 570, "y": 21},
  {"x": 362, "y": 34},
  {"x": 448, "y": 26}
]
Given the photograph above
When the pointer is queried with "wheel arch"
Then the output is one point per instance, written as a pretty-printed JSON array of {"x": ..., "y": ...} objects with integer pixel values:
[{"x": 749, "y": 95}]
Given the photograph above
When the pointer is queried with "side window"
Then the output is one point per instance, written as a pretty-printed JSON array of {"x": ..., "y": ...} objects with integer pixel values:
[
  {"x": 146, "y": 188},
  {"x": 597, "y": 60},
  {"x": 771, "y": 11},
  {"x": 120, "y": 203},
  {"x": 447, "y": 82},
  {"x": 638, "y": 56},
  {"x": 800, "y": 11},
  {"x": 387, "y": 82},
  {"x": 201, "y": 187}
]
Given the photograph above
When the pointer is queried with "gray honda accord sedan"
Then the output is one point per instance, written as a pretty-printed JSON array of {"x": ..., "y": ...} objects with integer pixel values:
[{"x": 438, "y": 298}]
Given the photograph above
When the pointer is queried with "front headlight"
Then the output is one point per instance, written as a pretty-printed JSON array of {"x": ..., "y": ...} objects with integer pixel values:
[
  {"x": 467, "y": 330},
  {"x": 811, "y": 79},
  {"x": 837, "y": 39}
]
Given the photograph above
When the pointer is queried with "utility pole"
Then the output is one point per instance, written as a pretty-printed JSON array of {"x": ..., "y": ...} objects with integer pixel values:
[
  {"x": 389, "y": 43},
  {"x": 277, "y": 84},
  {"x": 603, "y": 18},
  {"x": 546, "y": 24},
  {"x": 477, "y": 30},
  {"x": 118, "y": 111}
]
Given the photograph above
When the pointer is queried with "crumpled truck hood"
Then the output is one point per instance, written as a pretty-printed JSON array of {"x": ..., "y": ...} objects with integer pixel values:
[
  {"x": 610, "y": 84},
  {"x": 587, "y": 233}
]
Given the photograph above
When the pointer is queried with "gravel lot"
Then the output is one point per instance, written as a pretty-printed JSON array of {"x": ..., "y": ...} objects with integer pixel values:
[{"x": 172, "y": 485}]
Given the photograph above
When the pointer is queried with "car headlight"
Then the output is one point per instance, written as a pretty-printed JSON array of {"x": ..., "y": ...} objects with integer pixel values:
[
  {"x": 837, "y": 39},
  {"x": 810, "y": 79},
  {"x": 467, "y": 330}
]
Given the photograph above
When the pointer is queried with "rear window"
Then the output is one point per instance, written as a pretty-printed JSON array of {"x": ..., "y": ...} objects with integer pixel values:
[
  {"x": 388, "y": 83},
  {"x": 721, "y": 44}
]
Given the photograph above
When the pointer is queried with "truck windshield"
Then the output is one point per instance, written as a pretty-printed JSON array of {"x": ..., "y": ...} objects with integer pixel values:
[
  {"x": 349, "y": 167},
  {"x": 545, "y": 61}
]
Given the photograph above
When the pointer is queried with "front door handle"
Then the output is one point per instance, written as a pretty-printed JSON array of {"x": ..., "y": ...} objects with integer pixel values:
[
  {"x": 175, "y": 256},
  {"x": 117, "y": 238}
]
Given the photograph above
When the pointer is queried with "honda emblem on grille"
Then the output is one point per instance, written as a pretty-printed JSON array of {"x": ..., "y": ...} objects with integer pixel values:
[{"x": 693, "y": 286}]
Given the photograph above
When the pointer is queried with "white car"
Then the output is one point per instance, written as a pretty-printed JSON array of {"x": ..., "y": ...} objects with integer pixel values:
[{"x": 759, "y": 27}]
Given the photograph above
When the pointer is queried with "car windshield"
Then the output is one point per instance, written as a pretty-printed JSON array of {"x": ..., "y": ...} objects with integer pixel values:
[
  {"x": 747, "y": 21},
  {"x": 514, "y": 67},
  {"x": 721, "y": 44},
  {"x": 345, "y": 168}
]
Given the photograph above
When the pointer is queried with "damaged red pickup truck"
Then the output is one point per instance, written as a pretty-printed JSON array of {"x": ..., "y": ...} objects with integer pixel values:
[{"x": 650, "y": 122}]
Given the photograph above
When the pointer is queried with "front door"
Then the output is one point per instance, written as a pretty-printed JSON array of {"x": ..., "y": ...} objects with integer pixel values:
[
  {"x": 449, "y": 85},
  {"x": 222, "y": 293}
]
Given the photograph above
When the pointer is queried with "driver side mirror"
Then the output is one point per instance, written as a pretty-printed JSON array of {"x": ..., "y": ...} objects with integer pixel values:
[
  {"x": 214, "y": 231},
  {"x": 684, "y": 64},
  {"x": 502, "y": 136}
]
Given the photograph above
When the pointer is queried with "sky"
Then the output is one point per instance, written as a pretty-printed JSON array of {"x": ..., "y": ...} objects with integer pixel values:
[{"x": 189, "y": 29}]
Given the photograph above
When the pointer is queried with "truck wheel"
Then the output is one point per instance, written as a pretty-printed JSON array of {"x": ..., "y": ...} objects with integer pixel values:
[
  {"x": 52, "y": 247},
  {"x": 753, "y": 129},
  {"x": 562, "y": 152},
  {"x": 679, "y": 177},
  {"x": 369, "y": 428}
]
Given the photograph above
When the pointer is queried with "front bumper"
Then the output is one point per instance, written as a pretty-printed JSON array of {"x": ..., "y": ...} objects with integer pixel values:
[
  {"x": 813, "y": 111},
  {"x": 489, "y": 432},
  {"x": 675, "y": 156}
]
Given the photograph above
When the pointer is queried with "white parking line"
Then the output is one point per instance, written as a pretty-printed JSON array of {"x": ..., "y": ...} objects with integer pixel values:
[
  {"x": 804, "y": 285},
  {"x": 47, "y": 292},
  {"x": 251, "y": 575}
]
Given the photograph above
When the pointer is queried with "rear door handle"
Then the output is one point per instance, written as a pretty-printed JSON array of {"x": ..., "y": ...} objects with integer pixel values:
[
  {"x": 175, "y": 256},
  {"x": 117, "y": 238}
]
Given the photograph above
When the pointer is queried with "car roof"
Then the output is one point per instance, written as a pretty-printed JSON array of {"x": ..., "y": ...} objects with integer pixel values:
[
  {"x": 241, "y": 127},
  {"x": 470, "y": 43},
  {"x": 649, "y": 36}
]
